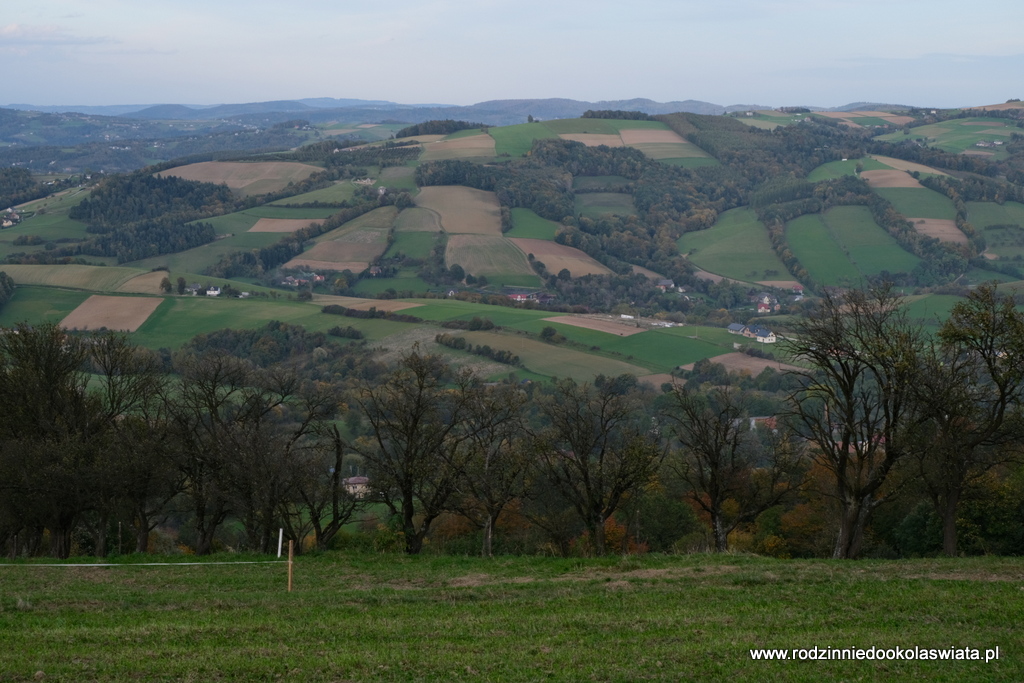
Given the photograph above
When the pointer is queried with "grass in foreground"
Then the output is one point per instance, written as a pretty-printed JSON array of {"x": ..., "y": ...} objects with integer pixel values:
[{"x": 386, "y": 617}]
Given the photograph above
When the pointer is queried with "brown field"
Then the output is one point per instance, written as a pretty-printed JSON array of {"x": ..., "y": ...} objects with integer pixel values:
[
  {"x": 978, "y": 153},
  {"x": 122, "y": 313},
  {"x": 463, "y": 209},
  {"x": 558, "y": 256},
  {"x": 368, "y": 125},
  {"x": 625, "y": 328},
  {"x": 898, "y": 120},
  {"x": 246, "y": 178},
  {"x": 656, "y": 380},
  {"x": 593, "y": 139},
  {"x": 363, "y": 304},
  {"x": 639, "y": 136},
  {"x": 649, "y": 274},
  {"x": 486, "y": 255},
  {"x": 281, "y": 224},
  {"x": 147, "y": 283},
  {"x": 779, "y": 284},
  {"x": 471, "y": 146},
  {"x": 901, "y": 165},
  {"x": 890, "y": 179},
  {"x": 940, "y": 228},
  {"x": 998, "y": 107},
  {"x": 991, "y": 257},
  {"x": 353, "y": 251},
  {"x": 741, "y": 362},
  {"x": 669, "y": 150}
]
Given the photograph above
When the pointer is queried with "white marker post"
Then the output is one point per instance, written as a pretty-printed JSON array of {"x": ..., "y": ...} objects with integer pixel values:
[{"x": 280, "y": 539}]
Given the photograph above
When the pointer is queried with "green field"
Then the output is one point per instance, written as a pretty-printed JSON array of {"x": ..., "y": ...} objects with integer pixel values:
[
  {"x": 960, "y": 135},
  {"x": 598, "y": 204},
  {"x": 270, "y": 211},
  {"x": 40, "y": 304},
  {"x": 1006, "y": 242},
  {"x": 517, "y": 140},
  {"x": 489, "y": 255},
  {"x": 593, "y": 126},
  {"x": 202, "y": 257},
  {"x": 870, "y": 248},
  {"x": 73, "y": 276},
  {"x": 400, "y": 177},
  {"x": 372, "y": 286},
  {"x": 232, "y": 223},
  {"x": 412, "y": 244},
  {"x": 51, "y": 225},
  {"x": 525, "y": 223},
  {"x": 338, "y": 192},
  {"x": 817, "y": 251},
  {"x": 919, "y": 202},
  {"x": 838, "y": 169},
  {"x": 736, "y": 246},
  {"x": 363, "y": 617},
  {"x": 553, "y": 360}
]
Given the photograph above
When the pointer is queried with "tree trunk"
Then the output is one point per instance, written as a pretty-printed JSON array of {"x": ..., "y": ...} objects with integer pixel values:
[
  {"x": 488, "y": 547},
  {"x": 852, "y": 523},
  {"x": 721, "y": 535},
  {"x": 142, "y": 538},
  {"x": 949, "y": 531}
]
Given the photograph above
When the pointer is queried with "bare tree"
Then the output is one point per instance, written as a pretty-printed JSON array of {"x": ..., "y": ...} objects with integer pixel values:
[
  {"x": 856, "y": 404},
  {"x": 416, "y": 416},
  {"x": 732, "y": 470},
  {"x": 600, "y": 445}
]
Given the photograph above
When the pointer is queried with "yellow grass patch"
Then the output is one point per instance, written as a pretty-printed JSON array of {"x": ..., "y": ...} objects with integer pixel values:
[
  {"x": 558, "y": 256},
  {"x": 901, "y": 165},
  {"x": 352, "y": 251},
  {"x": 593, "y": 139},
  {"x": 891, "y": 178},
  {"x": 463, "y": 209},
  {"x": 941, "y": 228},
  {"x": 459, "y": 148},
  {"x": 147, "y": 283},
  {"x": 281, "y": 224},
  {"x": 639, "y": 136},
  {"x": 625, "y": 328},
  {"x": 122, "y": 313},
  {"x": 247, "y": 178}
]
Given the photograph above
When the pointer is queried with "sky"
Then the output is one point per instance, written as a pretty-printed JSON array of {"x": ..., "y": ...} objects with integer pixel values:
[{"x": 934, "y": 53}]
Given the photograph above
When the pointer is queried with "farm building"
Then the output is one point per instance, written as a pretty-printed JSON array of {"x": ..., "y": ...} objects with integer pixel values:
[{"x": 736, "y": 328}]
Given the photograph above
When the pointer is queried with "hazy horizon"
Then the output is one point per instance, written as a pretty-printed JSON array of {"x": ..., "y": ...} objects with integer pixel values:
[{"x": 827, "y": 53}]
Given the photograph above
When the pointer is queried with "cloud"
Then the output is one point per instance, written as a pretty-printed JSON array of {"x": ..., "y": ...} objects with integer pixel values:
[{"x": 26, "y": 35}]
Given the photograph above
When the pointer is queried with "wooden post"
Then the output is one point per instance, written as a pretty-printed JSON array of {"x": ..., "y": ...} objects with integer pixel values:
[{"x": 291, "y": 558}]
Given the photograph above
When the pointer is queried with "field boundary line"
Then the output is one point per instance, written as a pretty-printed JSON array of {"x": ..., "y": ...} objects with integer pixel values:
[{"x": 139, "y": 564}]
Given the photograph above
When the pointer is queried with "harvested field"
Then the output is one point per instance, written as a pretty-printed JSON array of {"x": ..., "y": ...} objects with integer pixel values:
[
  {"x": 281, "y": 224},
  {"x": 901, "y": 165},
  {"x": 621, "y": 328},
  {"x": 481, "y": 145},
  {"x": 463, "y": 209},
  {"x": 741, "y": 362},
  {"x": 890, "y": 179},
  {"x": 246, "y": 178},
  {"x": 593, "y": 139},
  {"x": 73, "y": 275},
  {"x": 149, "y": 283},
  {"x": 639, "y": 136},
  {"x": 649, "y": 274},
  {"x": 418, "y": 220},
  {"x": 121, "y": 313},
  {"x": 486, "y": 255},
  {"x": 939, "y": 228},
  {"x": 556, "y": 256},
  {"x": 898, "y": 120},
  {"x": 352, "y": 251},
  {"x": 390, "y": 305},
  {"x": 779, "y": 284}
]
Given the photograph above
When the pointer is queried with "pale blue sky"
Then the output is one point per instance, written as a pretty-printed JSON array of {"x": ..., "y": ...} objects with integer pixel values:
[{"x": 774, "y": 52}]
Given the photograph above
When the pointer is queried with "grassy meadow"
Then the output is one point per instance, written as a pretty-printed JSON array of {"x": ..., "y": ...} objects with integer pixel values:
[
  {"x": 526, "y": 223},
  {"x": 736, "y": 246},
  {"x": 838, "y": 169},
  {"x": 870, "y": 248},
  {"x": 809, "y": 239},
  {"x": 354, "y": 616},
  {"x": 919, "y": 202},
  {"x": 960, "y": 135},
  {"x": 598, "y": 204}
]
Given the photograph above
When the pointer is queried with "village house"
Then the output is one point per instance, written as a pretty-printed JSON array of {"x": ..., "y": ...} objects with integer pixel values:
[{"x": 357, "y": 487}]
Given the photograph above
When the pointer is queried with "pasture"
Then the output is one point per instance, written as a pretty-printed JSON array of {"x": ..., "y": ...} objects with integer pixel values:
[
  {"x": 517, "y": 140},
  {"x": 554, "y": 360},
  {"x": 526, "y": 223},
  {"x": 556, "y": 256},
  {"x": 736, "y": 246},
  {"x": 415, "y": 219},
  {"x": 1007, "y": 240},
  {"x": 281, "y": 224},
  {"x": 463, "y": 209},
  {"x": 120, "y": 313},
  {"x": 961, "y": 136},
  {"x": 246, "y": 178},
  {"x": 486, "y": 255},
  {"x": 809, "y": 239},
  {"x": 366, "y": 616},
  {"x": 412, "y": 244},
  {"x": 401, "y": 177},
  {"x": 838, "y": 169},
  {"x": 74, "y": 276},
  {"x": 340, "y": 191},
  {"x": 597, "y": 204},
  {"x": 202, "y": 257},
  {"x": 917, "y": 203},
  {"x": 868, "y": 246},
  {"x": 35, "y": 304}
]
